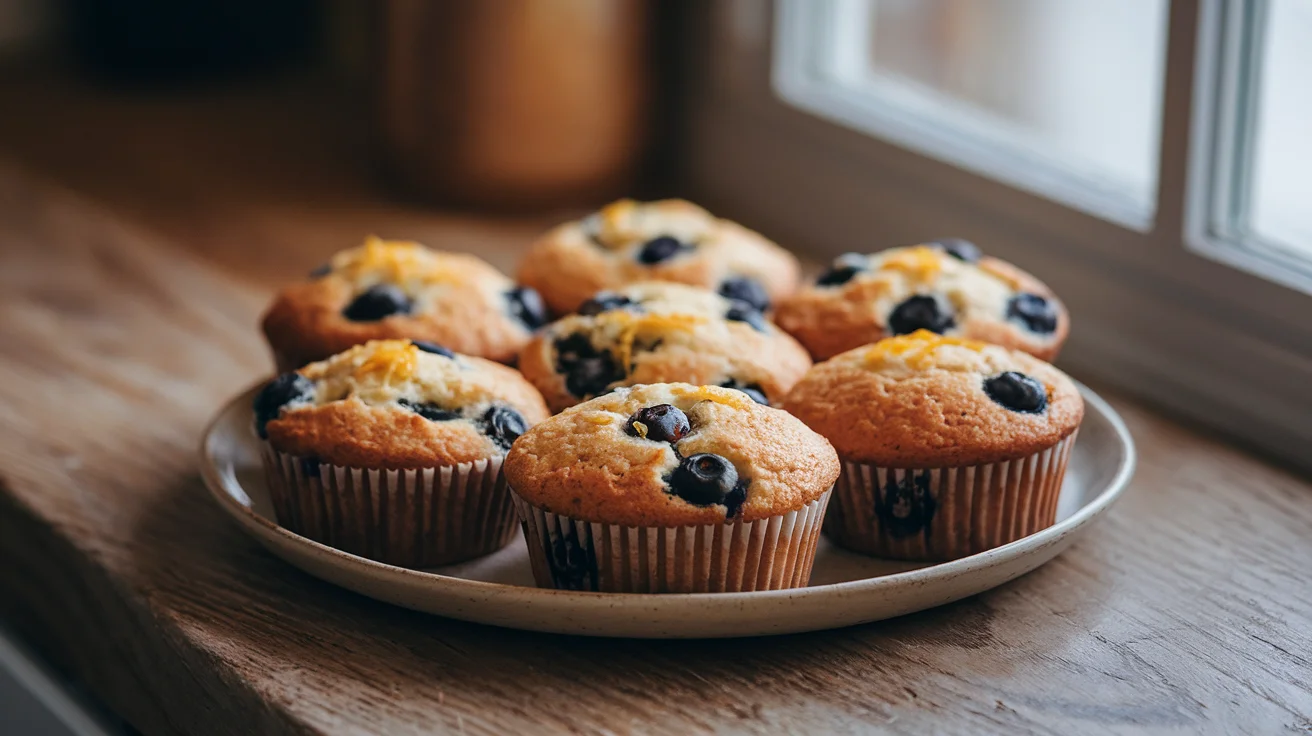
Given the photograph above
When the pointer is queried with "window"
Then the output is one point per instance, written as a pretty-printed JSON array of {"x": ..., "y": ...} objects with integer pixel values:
[
  {"x": 1060, "y": 97},
  {"x": 1145, "y": 158},
  {"x": 1254, "y": 149}
]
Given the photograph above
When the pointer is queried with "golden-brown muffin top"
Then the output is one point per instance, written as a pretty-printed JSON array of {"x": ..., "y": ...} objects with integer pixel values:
[
  {"x": 946, "y": 287},
  {"x": 667, "y": 240},
  {"x": 397, "y": 404},
  {"x": 923, "y": 400},
  {"x": 398, "y": 289},
  {"x": 639, "y": 457},
  {"x": 657, "y": 332}
]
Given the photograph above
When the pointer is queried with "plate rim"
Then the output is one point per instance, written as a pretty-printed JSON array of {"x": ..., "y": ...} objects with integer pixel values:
[{"x": 255, "y": 524}]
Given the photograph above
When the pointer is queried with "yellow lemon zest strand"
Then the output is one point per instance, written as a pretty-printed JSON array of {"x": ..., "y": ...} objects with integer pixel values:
[
  {"x": 633, "y": 324},
  {"x": 920, "y": 263},
  {"x": 391, "y": 360},
  {"x": 392, "y": 260},
  {"x": 641, "y": 429},
  {"x": 917, "y": 350},
  {"x": 612, "y": 218},
  {"x": 728, "y": 397}
]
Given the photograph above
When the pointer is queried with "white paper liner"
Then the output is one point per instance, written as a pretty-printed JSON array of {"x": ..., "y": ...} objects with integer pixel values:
[
  {"x": 767, "y": 554},
  {"x": 936, "y": 514},
  {"x": 413, "y": 518}
]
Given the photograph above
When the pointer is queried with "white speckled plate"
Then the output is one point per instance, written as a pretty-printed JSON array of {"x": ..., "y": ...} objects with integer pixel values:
[{"x": 845, "y": 588}]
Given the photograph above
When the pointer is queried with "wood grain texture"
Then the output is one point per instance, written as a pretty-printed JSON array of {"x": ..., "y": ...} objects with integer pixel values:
[{"x": 127, "y": 316}]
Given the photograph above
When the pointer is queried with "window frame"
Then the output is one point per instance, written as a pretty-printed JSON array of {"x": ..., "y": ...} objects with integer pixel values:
[
  {"x": 1227, "y": 82},
  {"x": 1152, "y": 316}
]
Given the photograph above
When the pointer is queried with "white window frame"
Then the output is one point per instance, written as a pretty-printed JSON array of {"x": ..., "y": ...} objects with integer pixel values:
[
  {"x": 1226, "y": 80},
  {"x": 1152, "y": 315},
  {"x": 906, "y": 115}
]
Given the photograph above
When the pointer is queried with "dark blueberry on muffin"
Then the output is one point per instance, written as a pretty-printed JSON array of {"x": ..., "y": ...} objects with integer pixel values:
[
  {"x": 660, "y": 249},
  {"x": 1017, "y": 392},
  {"x": 704, "y": 479},
  {"x": 962, "y": 250},
  {"x": 429, "y": 411},
  {"x": 1035, "y": 312},
  {"x": 660, "y": 423},
  {"x": 504, "y": 425},
  {"x": 588, "y": 371},
  {"x": 379, "y": 301},
  {"x": 604, "y": 301},
  {"x": 281, "y": 391},
  {"x": 752, "y": 390},
  {"x": 571, "y": 565},
  {"x": 434, "y": 348},
  {"x": 844, "y": 269},
  {"x": 744, "y": 289},
  {"x": 526, "y": 306},
  {"x": 744, "y": 312},
  {"x": 906, "y": 506},
  {"x": 921, "y": 312}
]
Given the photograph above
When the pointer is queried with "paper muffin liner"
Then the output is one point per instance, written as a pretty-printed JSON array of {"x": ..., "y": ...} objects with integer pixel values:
[
  {"x": 767, "y": 554},
  {"x": 937, "y": 514},
  {"x": 412, "y": 518}
]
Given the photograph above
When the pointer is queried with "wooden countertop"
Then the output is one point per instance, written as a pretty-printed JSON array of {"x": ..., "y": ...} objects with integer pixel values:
[{"x": 139, "y": 239}]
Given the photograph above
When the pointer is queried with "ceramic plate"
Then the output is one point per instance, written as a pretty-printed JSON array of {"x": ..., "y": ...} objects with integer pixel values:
[{"x": 845, "y": 588}]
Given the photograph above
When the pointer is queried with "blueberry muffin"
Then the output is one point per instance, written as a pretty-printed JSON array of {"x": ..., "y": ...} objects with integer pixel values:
[
  {"x": 400, "y": 290},
  {"x": 945, "y": 287},
  {"x": 392, "y": 450},
  {"x": 655, "y": 332},
  {"x": 671, "y": 488},
  {"x": 950, "y": 447},
  {"x": 668, "y": 240}
]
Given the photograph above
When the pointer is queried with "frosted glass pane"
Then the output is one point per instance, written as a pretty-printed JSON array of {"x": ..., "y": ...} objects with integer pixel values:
[
  {"x": 1078, "y": 80},
  {"x": 1282, "y": 198}
]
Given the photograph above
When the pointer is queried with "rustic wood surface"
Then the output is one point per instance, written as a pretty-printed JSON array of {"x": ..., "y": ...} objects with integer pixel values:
[{"x": 138, "y": 241}]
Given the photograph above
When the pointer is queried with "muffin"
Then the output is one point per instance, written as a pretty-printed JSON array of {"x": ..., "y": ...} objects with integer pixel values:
[
  {"x": 950, "y": 447},
  {"x": 671, "y": 488},
  {"x": 655, "y": 332},
  {"x": 400, "y": 290},
  {"x": 945, "y": 287},
  {"x": 668, "y": 240},
  {"x": 392, "y": 450}
]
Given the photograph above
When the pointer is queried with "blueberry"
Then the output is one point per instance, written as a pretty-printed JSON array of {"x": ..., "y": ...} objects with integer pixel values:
[
  {"x": 752, "y": 390},
  {"x": 744, "y": 312},
  {"x": 321, "y": 271},
  {"x": 527, "y": 306},
  {"x": 604, "y": 301},
  {"x": 429, "y": 411},
  {"x": 704, "y": 479},
  {"x": 1017, "y": 392},
  {"x": 921, "y": 311},
  {"x": 746, "y": 289},
  {"x": 382, "y": 300},
  {"x": 844, "y": 269},
  {"x": 962, "y": 250},
  {"x": 1035, "y": 312},
  {"x": 662, "y": 423},
  {"x": 588, "y": 372},
  {"x": 278, "y": 393},
  {"x": 592, "y": 376},
  {"x": 504, "y": 425},
  {"x": 906, "y": 507},
  {"x": 660, "y": 249},
  {"x": 434, "y": 348},
  {"x": 310, "y": 467},
  {"x": 573, "y": 567}
]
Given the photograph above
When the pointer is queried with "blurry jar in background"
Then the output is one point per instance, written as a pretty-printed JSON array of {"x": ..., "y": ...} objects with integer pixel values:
[{"x": 514, "y": 103}]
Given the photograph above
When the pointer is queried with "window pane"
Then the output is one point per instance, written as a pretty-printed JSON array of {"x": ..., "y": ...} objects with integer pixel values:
[
  {"x": 1078, "y": 82},
  {"x": 1281, "y": 199}
]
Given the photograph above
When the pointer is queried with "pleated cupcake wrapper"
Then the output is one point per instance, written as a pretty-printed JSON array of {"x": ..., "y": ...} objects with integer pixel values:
[
  {"x": 937, "y": 514},
  {"x": 767, "y": 554},
  {"x": 413, "y": 518}
]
